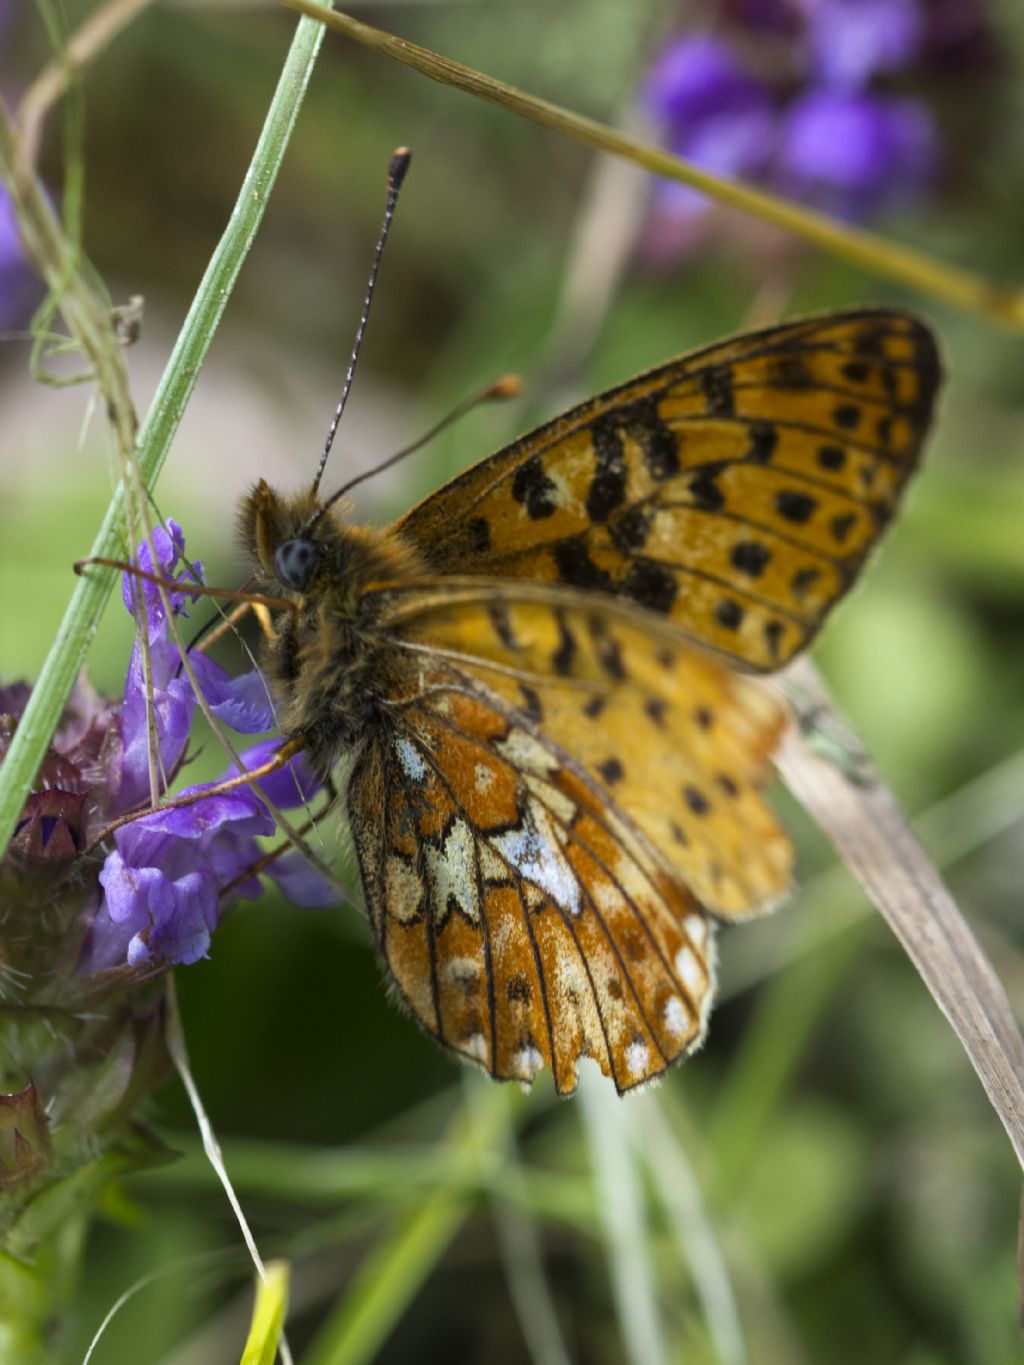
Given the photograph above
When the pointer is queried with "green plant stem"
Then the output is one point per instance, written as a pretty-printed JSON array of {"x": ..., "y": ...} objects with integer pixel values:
[
  {"x": 397, "y": 1266},
  {"x": 874, "y": 254},
  {"x": 88, "y": 317}
]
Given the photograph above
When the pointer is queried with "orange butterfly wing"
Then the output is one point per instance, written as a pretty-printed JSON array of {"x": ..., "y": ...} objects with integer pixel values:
[
  {"x": 564, "y": 790},
  {"x": 736, "y": 490},
  {"x": 519, "y": 935}
]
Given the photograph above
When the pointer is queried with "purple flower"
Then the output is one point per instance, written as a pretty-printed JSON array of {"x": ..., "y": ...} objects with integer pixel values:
[
  {"x": 850, "y": 41},
  {"x": 173, "y": 872},
  {"x": 787, "y": 94},
  {"x": 716, "y": 116},
  {"x": 696, "y": 78},
  {"x": 851, "y": 152},
  {"x": 19, "y": 288},
  {"x": 242, "y": 703},
  {"x": 162, "y": 882}
]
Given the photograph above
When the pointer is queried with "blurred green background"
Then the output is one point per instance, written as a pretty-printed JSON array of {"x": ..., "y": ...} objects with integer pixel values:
[{"x": 863, "y": 1192}]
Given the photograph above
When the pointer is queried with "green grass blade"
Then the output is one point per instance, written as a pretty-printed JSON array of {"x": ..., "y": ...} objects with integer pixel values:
[{"x": 179, "y": 379}]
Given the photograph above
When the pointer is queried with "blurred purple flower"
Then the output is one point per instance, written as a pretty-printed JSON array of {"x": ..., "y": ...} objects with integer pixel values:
[
  {"x": 164, "y": 883},
  {"x": 850, "y": 152},
  {"x": 19, "y": 288},
  {"x": 849, "y": 41},
  {"x": 785, "y": 94},
  {"x": 715, "y": 115},
  {"x": 696, "y": 78}
]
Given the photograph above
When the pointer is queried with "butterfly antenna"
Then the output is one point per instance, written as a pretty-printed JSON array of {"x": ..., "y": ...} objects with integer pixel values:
[
  {"x": 508, "y": 386},
  {"x": 397, "y": 168}
]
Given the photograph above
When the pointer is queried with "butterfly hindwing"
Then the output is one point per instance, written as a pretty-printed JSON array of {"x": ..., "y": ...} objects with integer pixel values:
[
  {"x": 659, "y": 731},
  {"x": 736, "y": 491},
  {"x": 523, "y": 926}
]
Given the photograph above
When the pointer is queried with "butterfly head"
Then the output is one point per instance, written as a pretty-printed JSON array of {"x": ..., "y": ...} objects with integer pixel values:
[
  {"x": 290, "y": 543},
  {"x": 309, "y": 548}
]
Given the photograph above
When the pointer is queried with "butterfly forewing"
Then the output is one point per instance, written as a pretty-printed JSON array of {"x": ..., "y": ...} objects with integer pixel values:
[{"x": 735, "y": 491}]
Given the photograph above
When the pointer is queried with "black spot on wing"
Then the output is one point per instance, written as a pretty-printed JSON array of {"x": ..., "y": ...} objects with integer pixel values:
[
  {"x": 831, "y": 457},
  {"x": 729, "y": 613},
  {"x": 611, "y": 770},
  {"x": 764, "y": 437},
  {"x": 717, "y": 385},
  {"x": 659, "y": 445},
  {"x": 608, "y": 486},
  {"x": 479, "y": 535},
  {"x": 773, "y": 632},
  {"x": 803, "y": 580},
  {"x": 630, "y": 531},
  {"x": 794, "y": 506},
  {"x": 499, "y": 618},
  {"x": 562, "y": 658},
  {"x": 750, "y": 557},
  {"x": 652, "y": 585},
  {"x": 531, "y": 703},
  {"x": 847, "y": 416},
  {"x": 575, "y": 567},
  {"x": 792, "y": 372},
  {"x": 655, "y": 708},
  {"x": 533, "y": 489},
  {"x": 706, "y": 494}
]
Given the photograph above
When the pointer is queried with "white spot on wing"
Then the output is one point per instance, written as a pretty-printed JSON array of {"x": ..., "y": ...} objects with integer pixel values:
[
  {"x": 411, "y": 760},
  {"x": 677, "y": 1021},
  {"x": 492, "y": 869},
  {"x": 637, "y": 1054},
  {"x": 526, "y": 753},
  {"x": 527, "y": 1062},
  {"x": 475, "y": 1046},
  {"x": 696, "y": 928},
  {"x": 403, "y": 890},
  {"x": 452, "y": 871},
  {"x": 463, "y": 971},
  {"x": 483, "y": 778},
  {"x": 689, "y": 971},
  {"x": 532, "y": 848},
  {"x": 562, "y": 806}
]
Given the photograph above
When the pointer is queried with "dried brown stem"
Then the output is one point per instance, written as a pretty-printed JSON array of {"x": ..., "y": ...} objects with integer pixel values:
[{"x": 863, "y": 820}]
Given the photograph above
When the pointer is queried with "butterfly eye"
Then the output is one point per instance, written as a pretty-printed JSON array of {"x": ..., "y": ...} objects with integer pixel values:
[{"x": 294, "y": 562}]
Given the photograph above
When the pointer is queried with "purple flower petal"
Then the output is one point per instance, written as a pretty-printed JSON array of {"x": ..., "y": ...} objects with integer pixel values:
[
  {"x": 19, "y": 287},
  {"x": 851, "y": 151},
  {"x": 696, "y": 78},
  {"x": 849, "y": 41},
  {"x": 292, "y": 785},
  {"x": 148, "y": 917},
  {"x": 738, "y": 144},
  {"x": 242, "y": 702},
  {"x": 173, "y": 708},
  {"x": 239, "y": 812},
  {"x": 300, "y": 883},
  {"x": 169, "y": 543}
]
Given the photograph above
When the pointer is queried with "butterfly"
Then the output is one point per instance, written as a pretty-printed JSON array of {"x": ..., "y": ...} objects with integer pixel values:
[{"x": 539, "y": 680}]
